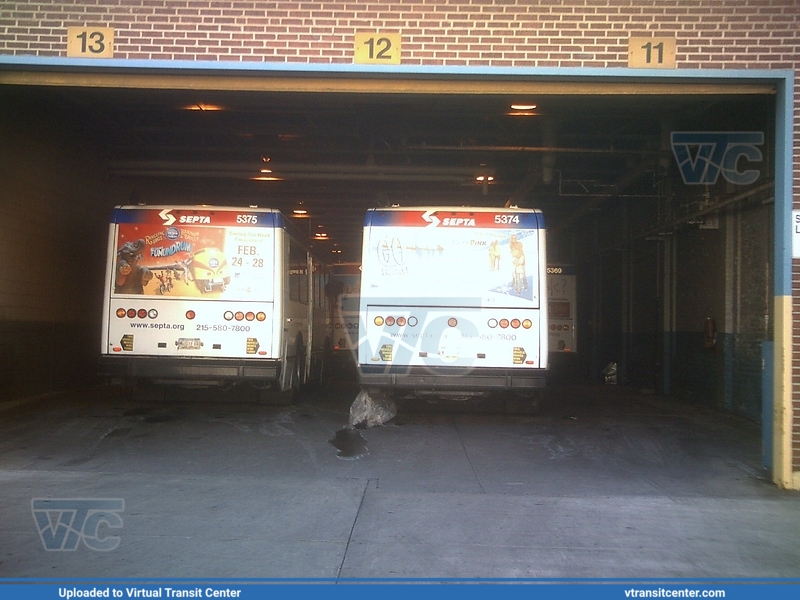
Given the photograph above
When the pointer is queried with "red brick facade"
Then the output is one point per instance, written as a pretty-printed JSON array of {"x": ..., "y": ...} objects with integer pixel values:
[{"x": 710, "y": 34}]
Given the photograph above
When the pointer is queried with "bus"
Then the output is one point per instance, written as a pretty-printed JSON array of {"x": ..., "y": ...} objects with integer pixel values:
[
  {"x": 453, "y": 300},
  {"x": 207, "y": 295},
  {"x": 344, "y": 289},
  {"x": 561, "y": 300}
]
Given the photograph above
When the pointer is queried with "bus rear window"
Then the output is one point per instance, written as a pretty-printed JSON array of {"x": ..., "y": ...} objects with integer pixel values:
[{"x": 559, "y": 310}]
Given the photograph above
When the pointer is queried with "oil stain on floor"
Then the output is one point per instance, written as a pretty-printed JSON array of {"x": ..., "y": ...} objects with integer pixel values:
[{"x": 350, "y": 444}]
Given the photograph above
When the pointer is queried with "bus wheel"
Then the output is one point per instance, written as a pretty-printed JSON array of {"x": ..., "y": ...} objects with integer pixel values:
[
  {"x": 299, "y": 366},
  {"x": 292, "y": 391},
  {"x": 275, "y": 395}
]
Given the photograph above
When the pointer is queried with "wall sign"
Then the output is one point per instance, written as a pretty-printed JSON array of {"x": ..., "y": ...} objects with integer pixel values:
[
  {"x": 90, "y": 42},
  {"x": 377, "y": 48},
  {"x": 796, "y": 234},
  {"x": 651, "y": 53}
]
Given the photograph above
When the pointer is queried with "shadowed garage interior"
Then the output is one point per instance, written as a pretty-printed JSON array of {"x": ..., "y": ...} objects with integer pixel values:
[{"x": 659, "y": 261}]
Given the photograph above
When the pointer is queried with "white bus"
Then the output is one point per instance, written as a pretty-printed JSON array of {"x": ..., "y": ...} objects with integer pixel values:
[
  {"x": 212, "y": 296},
  {"x": 344, "y": 290},
  {"x": 561, "y": 299},
  {"x": 453, "y": 299}
]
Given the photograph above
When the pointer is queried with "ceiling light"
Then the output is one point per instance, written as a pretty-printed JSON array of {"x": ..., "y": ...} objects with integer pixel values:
[
  {"x": 523, "y": 106},
  {"x": 203, "y": 107},
  {"x": 267, "y": 178}
]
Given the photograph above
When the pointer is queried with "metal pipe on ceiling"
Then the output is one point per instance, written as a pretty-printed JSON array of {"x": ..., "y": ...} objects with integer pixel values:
[{"x": 554, "y": 149}]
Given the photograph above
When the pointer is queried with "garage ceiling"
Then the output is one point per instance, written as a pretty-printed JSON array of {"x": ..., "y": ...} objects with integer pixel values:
[{"x": 336, "y": 154}]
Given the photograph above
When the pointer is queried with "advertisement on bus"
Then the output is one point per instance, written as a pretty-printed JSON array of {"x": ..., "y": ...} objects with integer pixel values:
[
  {"x": 190, "y": 282},
  {"x": 453, "y": 288}
]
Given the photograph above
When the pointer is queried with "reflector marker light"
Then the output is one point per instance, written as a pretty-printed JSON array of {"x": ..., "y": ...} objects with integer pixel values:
[
  {"x": 190, "y": 314},
  {"x": 513, "y": 323},
  {"x": 389, "y": 321},
  {"x": 132, "y": 313}
]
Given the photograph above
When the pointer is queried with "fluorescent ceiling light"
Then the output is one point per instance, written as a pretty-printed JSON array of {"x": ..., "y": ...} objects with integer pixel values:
[{"x": 203, "y": 107}]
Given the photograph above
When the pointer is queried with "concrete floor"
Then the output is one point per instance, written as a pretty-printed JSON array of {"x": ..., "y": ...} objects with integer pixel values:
[{"x": 604, "y": 482}]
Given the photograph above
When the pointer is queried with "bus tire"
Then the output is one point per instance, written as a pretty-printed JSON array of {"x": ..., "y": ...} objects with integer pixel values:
[{"x": 292, "y": 391}]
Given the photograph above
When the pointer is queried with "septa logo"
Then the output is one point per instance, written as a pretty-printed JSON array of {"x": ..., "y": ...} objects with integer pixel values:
[
  {"x": 702, "y": 156},
  {"x": 458, "y": 222},
  {"x": 429, "y": 216},
  {"x": 168, "y": 218},
  {"x": 195, "y": 219}
]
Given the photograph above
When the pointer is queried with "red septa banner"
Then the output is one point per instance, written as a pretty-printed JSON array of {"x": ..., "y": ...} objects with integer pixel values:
[
  {"x": 178, "y": 217},
  {"x": 456, "y": 218}
]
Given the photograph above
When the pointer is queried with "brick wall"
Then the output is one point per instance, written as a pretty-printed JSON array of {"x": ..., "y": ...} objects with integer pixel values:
[
  {"x": 710, "y": 34},
  {"x": 570, "y": 33}
]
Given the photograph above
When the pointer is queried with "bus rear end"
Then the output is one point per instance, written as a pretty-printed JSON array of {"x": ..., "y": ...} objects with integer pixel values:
[
  {"x": 453, "y": 300},
  {"x": 191, "y": 295},
  {"x": 345, "y": 285}
]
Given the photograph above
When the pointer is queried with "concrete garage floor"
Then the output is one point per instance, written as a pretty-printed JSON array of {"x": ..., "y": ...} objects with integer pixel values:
[{"x": 604, "y": 482}]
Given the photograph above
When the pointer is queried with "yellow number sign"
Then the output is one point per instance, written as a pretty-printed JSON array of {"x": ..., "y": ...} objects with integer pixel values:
[
  {"x": 377, "y": 48},
  {"x": 90, "y": 42},
  {"x": 651, "y": 53}
]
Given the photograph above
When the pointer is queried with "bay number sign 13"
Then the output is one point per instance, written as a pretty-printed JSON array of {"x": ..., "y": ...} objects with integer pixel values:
[{"x": 90, "y": 42}]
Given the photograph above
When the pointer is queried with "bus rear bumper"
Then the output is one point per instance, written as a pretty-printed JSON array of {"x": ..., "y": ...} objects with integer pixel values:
[
  {"x": 177, "y": 370},
  {"x": 475, "y": 380}
]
